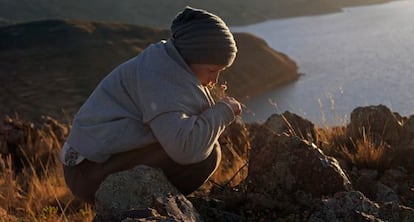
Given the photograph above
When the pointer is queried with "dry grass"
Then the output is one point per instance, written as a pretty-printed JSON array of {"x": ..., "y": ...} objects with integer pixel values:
[
  {"x": 361, "y": 152},
  {"x": 38, "y": 192},
  {"x": 335, "y": 141},
  {"x": 367, "y": 154}
]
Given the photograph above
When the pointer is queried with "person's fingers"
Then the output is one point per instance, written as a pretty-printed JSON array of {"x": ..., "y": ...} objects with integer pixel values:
[{"x": 235, "y": 105}]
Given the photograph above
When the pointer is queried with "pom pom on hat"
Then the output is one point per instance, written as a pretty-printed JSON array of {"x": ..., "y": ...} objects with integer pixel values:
[{"x": 203, "y": 38}]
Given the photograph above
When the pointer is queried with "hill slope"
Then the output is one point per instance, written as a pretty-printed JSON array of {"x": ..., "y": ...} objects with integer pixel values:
[
  {"x": 160, "y": 12},
  {"x": 52, "y": 66}
]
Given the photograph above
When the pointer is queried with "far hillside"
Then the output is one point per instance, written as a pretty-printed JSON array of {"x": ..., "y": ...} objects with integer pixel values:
[
  {"x": 50, "y": 67},
  {"x": 160, "y": 12}
]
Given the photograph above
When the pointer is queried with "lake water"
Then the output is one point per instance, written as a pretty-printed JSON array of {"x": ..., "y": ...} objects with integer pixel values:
[{"x": 361, "y": 56}]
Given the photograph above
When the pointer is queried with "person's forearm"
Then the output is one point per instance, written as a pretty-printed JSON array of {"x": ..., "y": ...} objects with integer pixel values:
[{"x": 190, "y": 139}]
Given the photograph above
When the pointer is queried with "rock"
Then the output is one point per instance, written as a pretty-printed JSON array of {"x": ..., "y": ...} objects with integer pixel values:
[
  {"x": 354, "y": 206},
  {"x": 291, "y": 124},
  {"x": 377, "y": 123},
  {"x": 400, "y": 183},
  {"x": 396, "y": 179},
  {"x": 142, "y": 192},
  {"x": 288, "y": 164},
  {"x": 214, "y": 210},
  {"x": 394, "y": 212},
  {"x": 403, "y": 158},
  {"x": 376, "y": 191},
  {"x": 386, "y": 194},
  {"x": 366, "y": 182},
  {"x": 347, "y": 206},
  {"x": 409, "y": 132},
  {"x": 369, "y": 174}
]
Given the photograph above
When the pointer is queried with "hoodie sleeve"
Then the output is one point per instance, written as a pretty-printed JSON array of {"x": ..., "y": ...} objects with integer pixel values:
[{"x": 190, "y": 139}]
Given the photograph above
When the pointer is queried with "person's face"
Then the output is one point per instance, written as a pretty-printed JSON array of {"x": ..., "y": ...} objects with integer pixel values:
[{"x": 207, "y": 74}]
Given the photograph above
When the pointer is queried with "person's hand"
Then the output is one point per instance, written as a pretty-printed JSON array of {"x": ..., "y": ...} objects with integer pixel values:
[{"x": 233, "y": 104}]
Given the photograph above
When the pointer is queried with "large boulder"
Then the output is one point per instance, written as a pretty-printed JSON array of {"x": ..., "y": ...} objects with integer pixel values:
[
  {"x": 292, "y": 124},
  {"x": 142, "y": 192},
  {"x": 367, "y": 182},
  {"x": 409, "y": 125},
  {"x": 347, "y": 206},
  {"x": 403, "y": 157},
  {"x": 380, "y": 128},
  {"x": 408, "y": 136},
  {"x": 377, "y": 123},
  {"x": 288, "y": 164},
  {"x": 400, "y": 182}
]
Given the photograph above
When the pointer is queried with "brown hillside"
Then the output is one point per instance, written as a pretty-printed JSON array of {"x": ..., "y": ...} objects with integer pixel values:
[
  {"x": 159, "y": 12},
  {"x": 257, "y": 67},
  {"x": 50, "y": 67}
]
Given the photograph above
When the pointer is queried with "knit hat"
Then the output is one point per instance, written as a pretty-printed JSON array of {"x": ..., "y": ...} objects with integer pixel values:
[{"x": 203, "y": 38}]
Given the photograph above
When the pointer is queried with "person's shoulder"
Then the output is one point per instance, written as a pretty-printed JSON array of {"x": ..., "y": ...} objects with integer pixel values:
[
  {"x": 157, "y": 45},
  {"x": 157, "y": 49}
]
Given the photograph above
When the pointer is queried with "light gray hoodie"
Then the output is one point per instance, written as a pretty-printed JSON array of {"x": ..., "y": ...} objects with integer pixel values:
[{"x": 151, "y": 97}]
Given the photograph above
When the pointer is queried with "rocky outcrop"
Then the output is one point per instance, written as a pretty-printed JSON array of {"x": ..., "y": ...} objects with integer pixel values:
[
  {"x": 354, "y": 206},
  {"x": 288, "y": 164},
  {"x": 292, "y": 124},
  {"x": 377, "y": 123},
  {"x": 387, "y": 129},
  {"x": 285, "y": 175},
  {"x": 290, "y": 177},
  {"x": 141, "y": 193}
]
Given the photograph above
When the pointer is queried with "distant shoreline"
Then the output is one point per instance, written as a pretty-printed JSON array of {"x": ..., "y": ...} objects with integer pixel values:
[{"x": 233, "y": 12}]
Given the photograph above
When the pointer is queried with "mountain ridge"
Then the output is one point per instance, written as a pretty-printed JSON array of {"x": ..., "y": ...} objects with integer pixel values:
[{"x": 50, "y": 67}]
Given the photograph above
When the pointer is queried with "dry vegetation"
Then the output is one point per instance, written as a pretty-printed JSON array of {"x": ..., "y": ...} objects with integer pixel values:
[
  {"x": 32, "y": 188},
  {"x": 362, "y": 153}
]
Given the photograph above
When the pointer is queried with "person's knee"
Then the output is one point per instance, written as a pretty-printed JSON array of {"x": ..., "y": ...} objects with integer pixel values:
[
  {"x": 207, "y": 167},
  {"x": 213, "y": 161},
  {"x": 82, "y": 182}
]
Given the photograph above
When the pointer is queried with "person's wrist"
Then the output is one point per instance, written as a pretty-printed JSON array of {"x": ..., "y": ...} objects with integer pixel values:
[
  {"x": 233, "y": 104},
  {"x": 228, "y": 106}
]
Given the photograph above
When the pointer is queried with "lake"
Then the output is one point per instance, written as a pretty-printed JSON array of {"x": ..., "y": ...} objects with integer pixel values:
[{"x": 359, "y": 57}]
